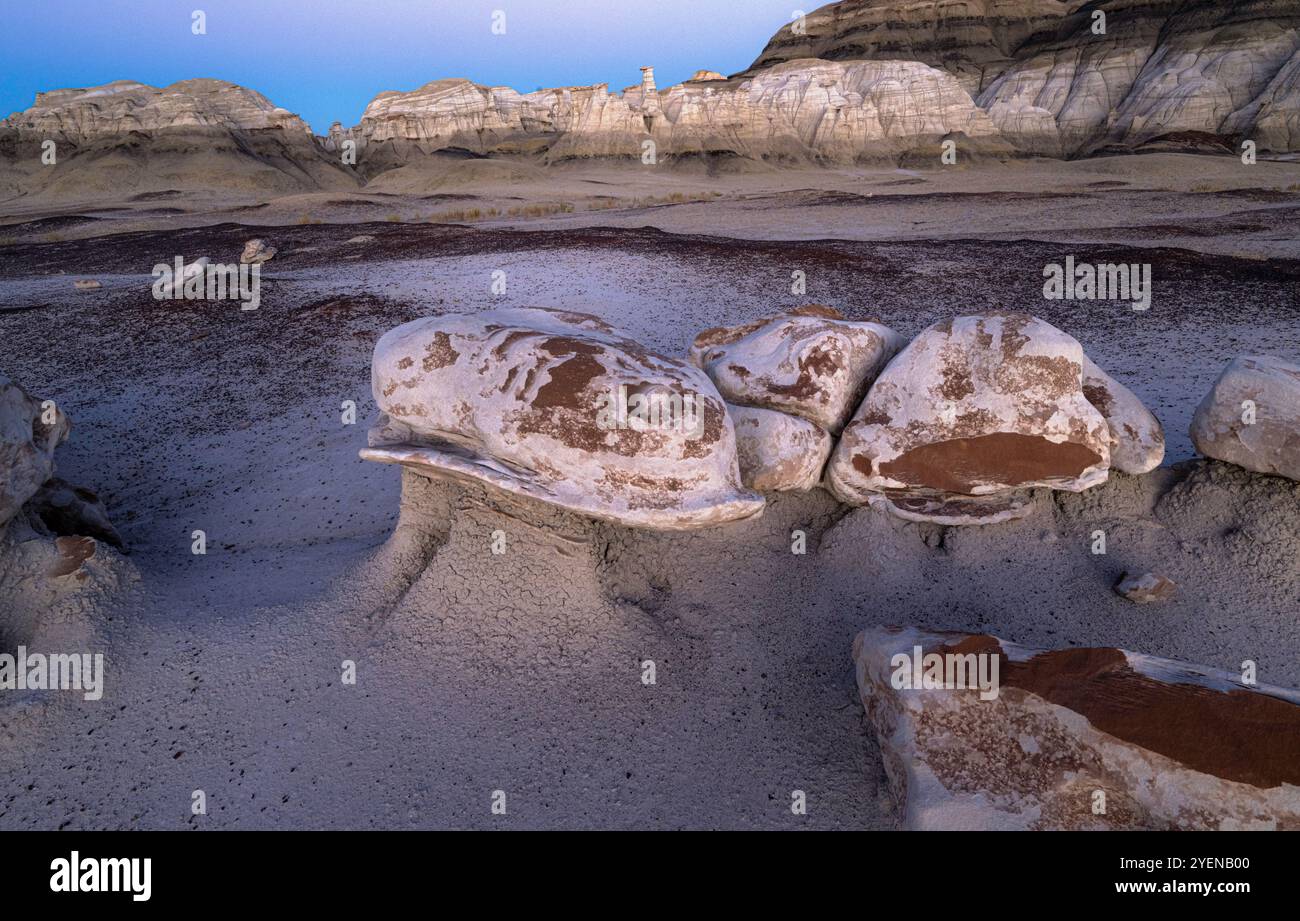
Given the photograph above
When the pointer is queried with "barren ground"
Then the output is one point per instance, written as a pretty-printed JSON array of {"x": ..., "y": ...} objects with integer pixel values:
[{"x": 522, "y": 672}]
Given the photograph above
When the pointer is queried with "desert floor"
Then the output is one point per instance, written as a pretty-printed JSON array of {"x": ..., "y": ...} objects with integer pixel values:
[{"x": 522, "y": 672}]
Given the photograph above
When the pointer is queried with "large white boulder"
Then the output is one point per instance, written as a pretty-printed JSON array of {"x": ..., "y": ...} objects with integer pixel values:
[
  {"x": 808, "y": 362},
  {"x": 1251, "y": 417},
  {"x": 975, "y": 406},
  {"x": 563, "y": 408}
]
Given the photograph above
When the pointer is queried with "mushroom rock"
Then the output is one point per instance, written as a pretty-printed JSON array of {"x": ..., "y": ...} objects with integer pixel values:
[
  {"x": 1137, "y": 440},
  {"x": 975, "y": 406},
  {"x": 808, "y": 362},
  {"x": 979, "y": 733},
  {"x": 779, "y": 452},
  {"x": 1251, "y": 417},
  {"x": 563, "y": 408},
  {"x": 29, "y": 433}
]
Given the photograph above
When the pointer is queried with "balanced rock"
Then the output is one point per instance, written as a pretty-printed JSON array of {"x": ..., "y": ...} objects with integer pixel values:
[
  {"x": 975, "y": 406},
  {"x": 256, "y": 252},
  {"x": 809, "y": 362},
  {"x": 563, "y": 408},
  {"x": 1148, "y": 588},
  {"x": 1251, "y": 417},
  {"x": 978, "y": 733},
  {"x": 29, "y": 433},
  {"x": 779, "y": 452},
  {"x": 1137, "y": 440}
]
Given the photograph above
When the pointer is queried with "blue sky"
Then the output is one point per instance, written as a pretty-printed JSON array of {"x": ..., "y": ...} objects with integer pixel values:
[{"x": 325, "y": 59}]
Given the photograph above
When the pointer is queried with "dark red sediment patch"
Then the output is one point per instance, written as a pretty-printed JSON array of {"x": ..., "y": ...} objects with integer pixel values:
[
  {"x": 961, "y": 464},
  {"x": 1239, "y": 735}
]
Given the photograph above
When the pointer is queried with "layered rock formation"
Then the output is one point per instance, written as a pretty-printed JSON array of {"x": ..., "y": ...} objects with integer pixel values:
[
  {"x": 978, "y": 733},
  {"x": 1053, "y": 84},
  {"x": 973, "y": 39},
  {"x": 805, "y": 111},
  {"x": 861, "y": 80},
  {"x": 192, "y": 134},
  {"x": 124, "y": 106}
]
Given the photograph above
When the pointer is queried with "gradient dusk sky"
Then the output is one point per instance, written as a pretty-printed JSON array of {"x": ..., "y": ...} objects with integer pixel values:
[{"x": 325, "y": 59}]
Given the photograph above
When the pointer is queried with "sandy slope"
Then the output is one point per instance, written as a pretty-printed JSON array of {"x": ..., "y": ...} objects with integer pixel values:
[{"x": 522, "y": 672}]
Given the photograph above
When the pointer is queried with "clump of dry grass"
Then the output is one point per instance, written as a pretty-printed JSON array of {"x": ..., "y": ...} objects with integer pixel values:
[
  {"x": 541, "y": 209},
  {"x": 463, "y": 215}
]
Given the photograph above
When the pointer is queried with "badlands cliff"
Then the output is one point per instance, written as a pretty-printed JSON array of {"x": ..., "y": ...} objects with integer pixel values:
[
  {"x": 872, "y": 79},
  {"x": 128, "y": 136},
  {"x": 799, "y": 112},
  {"x": 1067, "y": 78},
  {"x": 857, "y": 81}
]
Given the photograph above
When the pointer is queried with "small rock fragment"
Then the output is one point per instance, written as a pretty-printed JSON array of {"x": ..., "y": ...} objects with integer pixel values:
[
  {"x": 256, "y": 252},
  {"x": 1148, "y": 588}
]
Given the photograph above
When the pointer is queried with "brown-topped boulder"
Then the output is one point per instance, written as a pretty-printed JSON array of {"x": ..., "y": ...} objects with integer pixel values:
[
  {"x": 979, "y": 733},
  {"x": 975, "y": 406},
  {"x": 563, "y": 408},
  {"x": 779, "y": 452},
  {"x": 809, "y": 362},
  {"x": 1251, "y": 417}
]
